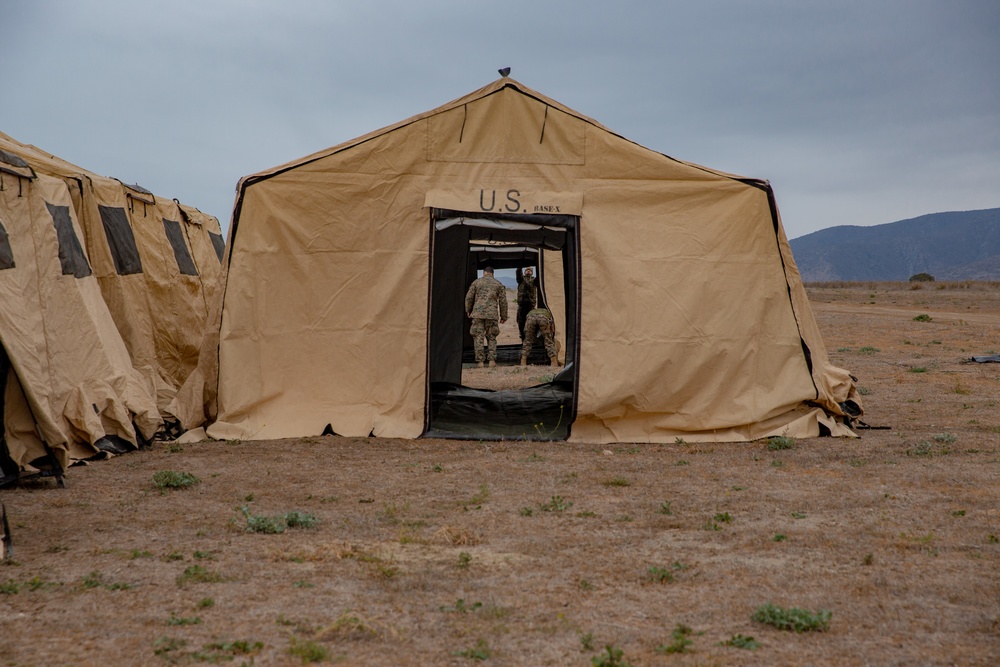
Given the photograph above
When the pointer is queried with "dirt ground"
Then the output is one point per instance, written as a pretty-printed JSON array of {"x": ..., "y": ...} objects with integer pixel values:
[
  {"x": 509, "y": 377},
  {"x": 432, "y": 552}
]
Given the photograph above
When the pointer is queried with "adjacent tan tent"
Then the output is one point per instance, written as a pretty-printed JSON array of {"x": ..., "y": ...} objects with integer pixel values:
[
  {"x": 67, "y": 386},
  {"x": 157, "y": 263},
  {"x": 681, "y": 309}
]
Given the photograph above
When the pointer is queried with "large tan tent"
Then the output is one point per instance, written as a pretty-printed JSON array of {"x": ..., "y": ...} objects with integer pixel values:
[
  {"x": 680, "y": 309},
  {"x": 68, "y": 389},
  {"x": 157, "y": 263}
]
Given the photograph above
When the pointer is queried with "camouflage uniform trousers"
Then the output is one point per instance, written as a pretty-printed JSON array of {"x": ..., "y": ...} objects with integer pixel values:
[
  {"x": 539, "y": 322},
  {"x": 488, "y": 329}
]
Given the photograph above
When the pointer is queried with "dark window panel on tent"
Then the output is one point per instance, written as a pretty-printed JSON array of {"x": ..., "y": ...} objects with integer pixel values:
[
  {"x": 6, "y": 254},
  {"x": 74, "y": 262},
  {"x": 120, "y": 240},
  {"x": 13, "y": 164},
  {"x": 219, "y": 243},
  {"x": 176, "y": 237}
]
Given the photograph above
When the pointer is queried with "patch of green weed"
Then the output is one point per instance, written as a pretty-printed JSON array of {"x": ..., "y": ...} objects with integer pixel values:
[
  {"x": 481, "y": 651},
  {"x": 556, "y": 504},
  {"x": 611, "y": 657},
  {"x": 793, "y": 618},
  {"x": 741, "y": 641},
  {"x": 172, "y": 479},
  {"x": 780, "y": 442},
  {"x": 681, "y": 643}
]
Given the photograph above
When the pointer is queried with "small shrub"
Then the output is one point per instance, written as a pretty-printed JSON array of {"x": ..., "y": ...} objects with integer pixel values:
[
  {"x": 464, "y": 559},
  {"x": 616, "y": 481},
  {"x": 681, "y": 640},
  {"x": 798, "y": 620},
  {"x": 460, "y": 607},
  {"x": 309, "y": 651},
  {"x": 172, "y": 479},
  {"x": 10, "y": 587},
  {"x": 711, "y": 525},
  {"x": 921, "y": 449},
  {"x": 779, "y": 537},
  {"x": 182, "y": 620},
  {"x": 917, "y": 369},
  {"x": 296, "y": 519},
  {"x": 661, "y": 575},
  {"x": 923, "y": 317},
  {"x": 868, "y": 350},
  {"x": 611, "y": 657},
  {"x": 780, "y": 442},
  {"x": 723, "y": 517},
  {"x": 557, "y": 504},
  {"x": 478, "y": 499},
  {"x": 665, "y": 508},
  {"x": 921, "y": 278},
  {"x": 272, "y": 525},
  {"x": 217, "y": 652},
  {"x": 587, "y": 641},
  {"x": 741, "y": 641},
  {"x": 163, "y": 646},
  {"x": 481, "y": 651},
  {"x": 198, "y": 574}
]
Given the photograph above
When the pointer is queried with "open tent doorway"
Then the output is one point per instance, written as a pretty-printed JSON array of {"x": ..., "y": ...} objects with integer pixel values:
[{"x": 462, "y": 244}]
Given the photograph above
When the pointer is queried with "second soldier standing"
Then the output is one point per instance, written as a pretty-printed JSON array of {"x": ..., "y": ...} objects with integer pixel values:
[{"x": 485, "y": 304}]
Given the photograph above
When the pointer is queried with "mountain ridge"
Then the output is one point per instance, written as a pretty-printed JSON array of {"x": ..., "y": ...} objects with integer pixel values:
[{"x": 951, "y": 245}]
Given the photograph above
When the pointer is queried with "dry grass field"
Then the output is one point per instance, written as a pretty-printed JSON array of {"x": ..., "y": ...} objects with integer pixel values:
[{"x": 434, "y": 552}]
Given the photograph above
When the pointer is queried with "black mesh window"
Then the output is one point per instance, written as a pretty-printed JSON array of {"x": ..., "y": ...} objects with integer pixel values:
[
  {"x": 74, "y": 262},
  {"x": 6, "y": 255},
  {"x": 120, "y": 240},
  {"x": 219, "y": 243},
  {"x": 176, "y": 237}
]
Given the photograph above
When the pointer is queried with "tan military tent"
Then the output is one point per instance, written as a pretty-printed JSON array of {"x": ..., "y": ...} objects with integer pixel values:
[
  {"x": 157, "y": 263},
  {"x": 67, "y": 386},
  {"x": 681, "y": 310}
]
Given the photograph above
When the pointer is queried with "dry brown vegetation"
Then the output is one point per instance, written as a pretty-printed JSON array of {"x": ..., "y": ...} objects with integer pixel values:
[{"x": 519, "y": 553}]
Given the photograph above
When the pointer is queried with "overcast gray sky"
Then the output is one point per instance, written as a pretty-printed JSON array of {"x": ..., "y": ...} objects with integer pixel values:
[{"x": 858, "y": 113}]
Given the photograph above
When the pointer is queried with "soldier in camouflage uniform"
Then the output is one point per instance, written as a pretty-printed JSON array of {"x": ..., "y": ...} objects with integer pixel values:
[
  {"x": 486, "y": 296},
  {"x": 527, "y": 297},
  {"x": 539, "y": 321}
]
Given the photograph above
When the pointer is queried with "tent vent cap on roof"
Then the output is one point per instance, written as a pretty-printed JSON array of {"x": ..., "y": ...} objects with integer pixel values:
[
  {"x": 137, "y": 188},
  {"x": 504, "y": 72}
]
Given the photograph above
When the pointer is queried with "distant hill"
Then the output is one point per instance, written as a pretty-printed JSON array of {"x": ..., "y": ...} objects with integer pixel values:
[{"x": 958, "y": 245}]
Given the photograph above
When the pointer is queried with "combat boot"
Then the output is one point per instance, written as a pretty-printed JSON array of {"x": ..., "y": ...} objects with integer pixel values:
[
  {"x": 493, "y": 363},
  {"x": 553, "y": 361},
  {"x": 479, "y": 364}
]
